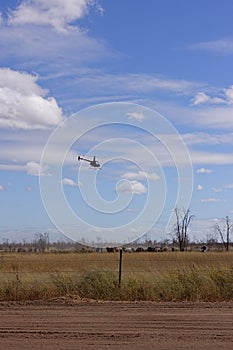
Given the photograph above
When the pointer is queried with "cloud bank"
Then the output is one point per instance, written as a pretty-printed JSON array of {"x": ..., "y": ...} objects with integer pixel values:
[
  {"x": 23, "y": 103},
  {"x": 59, "y": 14}
]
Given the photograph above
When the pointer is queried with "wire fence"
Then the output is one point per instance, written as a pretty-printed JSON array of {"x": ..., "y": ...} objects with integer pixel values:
[{"x": 130, "y": 276}]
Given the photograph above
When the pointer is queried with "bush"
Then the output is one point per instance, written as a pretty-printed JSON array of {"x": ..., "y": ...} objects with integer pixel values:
[{"x": 98, "y": 285}]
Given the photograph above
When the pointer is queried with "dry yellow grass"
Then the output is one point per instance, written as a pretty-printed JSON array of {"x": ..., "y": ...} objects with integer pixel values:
[
  {"x": 81, "y": 262},
  {"x": 146, "y": 276}
]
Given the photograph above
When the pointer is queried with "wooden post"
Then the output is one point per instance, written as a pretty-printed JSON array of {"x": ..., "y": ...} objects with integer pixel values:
[{"x": 120, "y": 267}]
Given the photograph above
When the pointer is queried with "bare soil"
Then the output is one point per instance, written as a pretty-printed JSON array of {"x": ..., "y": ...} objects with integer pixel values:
[{"x": 74, "y": 324}]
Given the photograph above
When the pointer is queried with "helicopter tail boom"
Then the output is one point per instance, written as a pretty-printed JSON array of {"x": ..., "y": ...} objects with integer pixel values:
[{"x": 87, "y": 160}]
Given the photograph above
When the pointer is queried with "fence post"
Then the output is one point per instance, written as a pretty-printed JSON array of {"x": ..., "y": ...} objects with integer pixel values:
[{"x": 120, "y": 267}]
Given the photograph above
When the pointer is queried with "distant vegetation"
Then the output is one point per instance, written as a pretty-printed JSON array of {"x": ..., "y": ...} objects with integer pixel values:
[
  {"x": 179, "y": 241},
  {"x": 166, "y": 276}
]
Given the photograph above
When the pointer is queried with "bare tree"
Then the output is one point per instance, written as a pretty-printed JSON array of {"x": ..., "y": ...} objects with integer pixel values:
[
  {"x": 41, "y": 241},
  {"x": 183, "y": 220},
  {"x": 225, "y": 231}
]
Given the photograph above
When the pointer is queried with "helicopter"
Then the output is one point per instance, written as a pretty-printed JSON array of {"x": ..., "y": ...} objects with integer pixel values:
[{"x": 94, "y": 163}]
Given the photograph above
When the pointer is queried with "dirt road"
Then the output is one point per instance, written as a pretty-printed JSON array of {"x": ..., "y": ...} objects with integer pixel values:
[{"x": 116, "y": 326}]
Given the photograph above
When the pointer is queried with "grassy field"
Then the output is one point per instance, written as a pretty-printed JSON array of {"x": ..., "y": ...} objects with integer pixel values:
[{"x": 167, "y": 276}]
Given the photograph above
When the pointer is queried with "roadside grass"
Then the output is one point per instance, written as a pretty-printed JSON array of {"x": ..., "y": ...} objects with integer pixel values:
[{"x": 167, "y": 276}]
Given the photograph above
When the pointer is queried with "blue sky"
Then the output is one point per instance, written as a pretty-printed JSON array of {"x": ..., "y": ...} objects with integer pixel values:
[{"x": 59, "y": 57}]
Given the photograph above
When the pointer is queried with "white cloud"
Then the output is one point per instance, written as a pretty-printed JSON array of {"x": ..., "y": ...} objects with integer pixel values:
[
  {"x": 33, "y": 168},
  {"x": 44, "y": 50},
  {"x": 22, "y": 102},
  {"x": 204, "y": 171},
  {"x": 131, "y": 210},
  {"x": 69, "y": 182},
  {"x": 200, "y": 187},
  {"x": 229, "y": 94},
  {"x": 203, "y": 157},
  {"x": 201, "y": 97},
  {"x": 59, "y": 14},
  {"x": 222, "y": 46},
  {"x": 229, "y": 186},
  {"x": 12, "y": 167},
  {"x": 136, "y": 116},
  {"x": 134, "y": 187},
  {"x": 205, "y": 117},
  {"x": 20, "y": 81},
  {"x": 217, "y": 190},
  {"x": 1, "y": 187},
  {"x": 197, "y": 138},
  {"x": 210, "y": 200},
  {"x": 136, "y": 83},
  {"x": 140, "y": 175}
]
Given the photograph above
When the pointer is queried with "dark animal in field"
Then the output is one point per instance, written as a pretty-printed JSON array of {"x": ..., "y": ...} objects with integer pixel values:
[
  {"x": 151, "y": 249},
  {"x": 111, "y": 249}
]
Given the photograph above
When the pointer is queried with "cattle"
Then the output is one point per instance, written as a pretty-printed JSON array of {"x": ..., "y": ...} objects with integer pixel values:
[
  {"x": 139, "y": 249},
  {"x": 127, "y": 250},
  {"x": 111, "y": 249},
  {"x": 203, "y": 249},
  {"x": 151, "y": 249}
]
